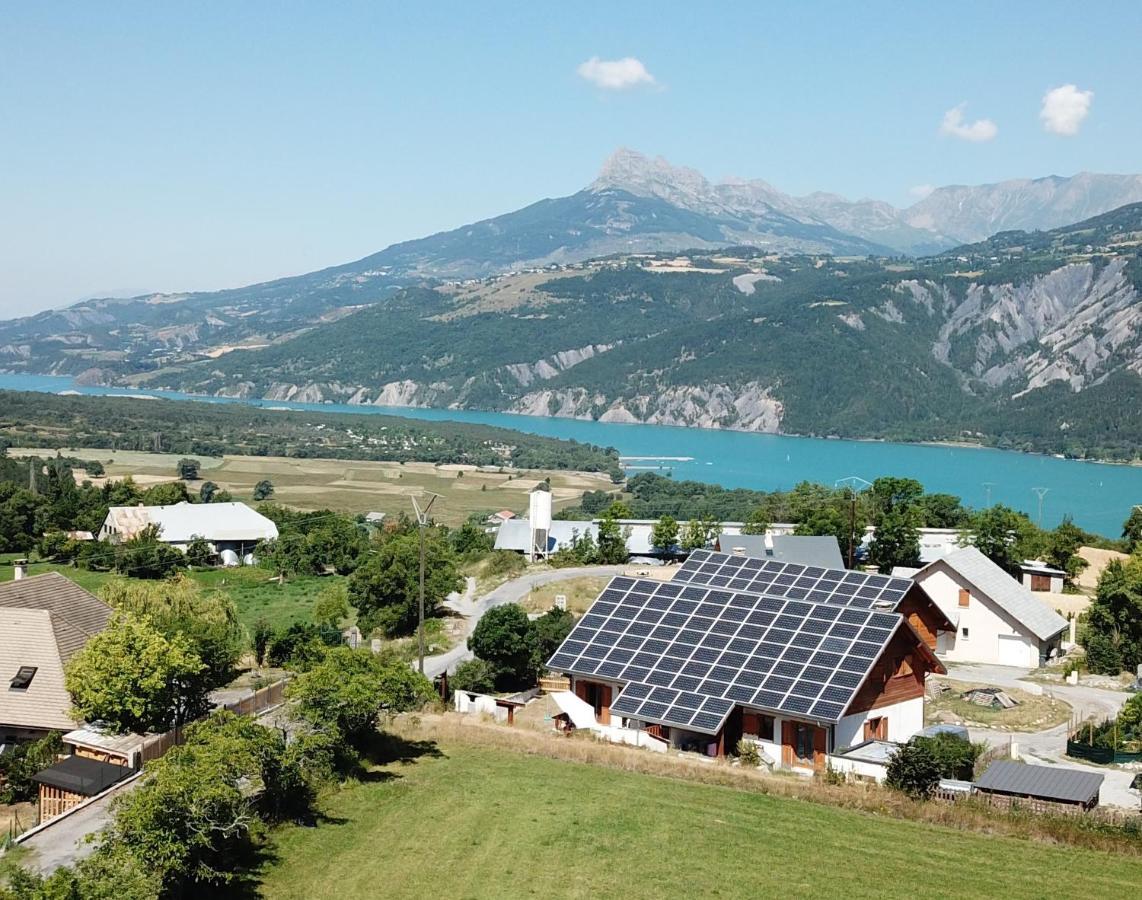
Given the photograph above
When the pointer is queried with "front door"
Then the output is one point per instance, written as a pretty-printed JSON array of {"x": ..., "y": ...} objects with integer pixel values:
[
  {"x": 803, "y": 745},
  {"x": 598, "y": 695}
]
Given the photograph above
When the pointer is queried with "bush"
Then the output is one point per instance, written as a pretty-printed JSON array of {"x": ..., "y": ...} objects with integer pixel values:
[
  {"x": 955, "y": 757},
  {"x": 504, "y": 638},
  {"x": 505, "y": 562},
  {"x": 914, "y": 770},
  {"x": 474, "y": 675},
  {"x": 25, "y": 760},
  {"x": 748, "y": 753}
]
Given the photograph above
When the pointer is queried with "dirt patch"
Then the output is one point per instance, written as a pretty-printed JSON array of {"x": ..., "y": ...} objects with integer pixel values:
[{"x": 1031, "y": 712}]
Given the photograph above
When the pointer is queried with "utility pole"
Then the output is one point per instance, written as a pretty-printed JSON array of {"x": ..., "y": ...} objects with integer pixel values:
[
  {"x": 987, "y": 486},
  {"x": 851, "y": 483},
  {"x": 421, "y": 523},
  {"x": 1040, "y": 492}
]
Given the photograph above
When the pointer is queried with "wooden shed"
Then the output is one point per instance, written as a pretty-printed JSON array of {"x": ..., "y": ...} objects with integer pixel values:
[{"x": 72, "y": 780}]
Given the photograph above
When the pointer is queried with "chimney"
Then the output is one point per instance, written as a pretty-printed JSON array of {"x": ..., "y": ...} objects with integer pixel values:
[
  {"x": 20, "y": 569},
  {"x": 768, "y": 544}
]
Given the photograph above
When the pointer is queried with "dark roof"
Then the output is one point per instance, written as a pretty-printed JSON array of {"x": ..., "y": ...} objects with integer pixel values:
[
  {"x": 1045, "y": 782},
  {"x": 808, "y": 550},
  {"x": 76, "y": 614},
  {"x": 686, "y": 654},
  {"x": 81, "y": 775}
]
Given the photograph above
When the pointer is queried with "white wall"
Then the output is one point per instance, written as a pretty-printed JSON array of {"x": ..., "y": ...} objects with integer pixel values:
[
  {"x": 985, "y": 623},
  {"x": 904, "y": 720},
  {"x": 860, "y": 769}
]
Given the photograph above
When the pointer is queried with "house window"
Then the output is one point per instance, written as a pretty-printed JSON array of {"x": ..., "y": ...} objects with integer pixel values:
[
  {"x": 876, "y": 729},
  {"x": 758, "y": 726},
  {"x": 965, "y": 597},
  {"x": 22, "y": 678},
  {"x": 964, "y": 633},
  {"x": 803, "y": 742}
]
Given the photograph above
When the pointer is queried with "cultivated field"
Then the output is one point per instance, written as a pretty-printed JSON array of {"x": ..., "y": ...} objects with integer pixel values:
[
  {"x": 465, "y": 820},
  {"x": 355, "y": 486}
]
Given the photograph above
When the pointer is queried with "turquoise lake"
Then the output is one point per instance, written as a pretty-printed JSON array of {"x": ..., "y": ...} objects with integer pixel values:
[{"x": 1097, "y": 496}]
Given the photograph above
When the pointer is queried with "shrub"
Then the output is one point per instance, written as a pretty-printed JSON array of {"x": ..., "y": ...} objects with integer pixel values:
[
  {"x": 505, "y": 562},
  {"x": 914, "y": 770},
  {"x": 25, "y": 760},
  {"x": 474, "y": 675},
  {"x": 748, "y": 753}
]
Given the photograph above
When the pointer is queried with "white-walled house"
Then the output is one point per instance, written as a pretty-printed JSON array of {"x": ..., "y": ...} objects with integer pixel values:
[
  {"x": 227, "y": 526},
  {"x": 997, "y": 619},
  {"x": 1040, "y": 577}
]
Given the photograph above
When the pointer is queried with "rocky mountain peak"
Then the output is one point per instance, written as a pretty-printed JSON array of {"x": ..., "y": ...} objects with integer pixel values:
[{"x": 639, "y": 174}]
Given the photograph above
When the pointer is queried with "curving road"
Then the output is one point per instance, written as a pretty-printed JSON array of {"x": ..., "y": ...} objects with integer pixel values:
[{"x": 472, "y": 608}]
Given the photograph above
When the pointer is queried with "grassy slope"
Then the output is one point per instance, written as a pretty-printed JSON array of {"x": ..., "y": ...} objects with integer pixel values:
[{"x": 485, "y": 823}]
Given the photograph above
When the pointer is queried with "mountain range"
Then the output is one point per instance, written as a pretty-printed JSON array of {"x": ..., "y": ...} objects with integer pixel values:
[{"x": 656, "y": 295}]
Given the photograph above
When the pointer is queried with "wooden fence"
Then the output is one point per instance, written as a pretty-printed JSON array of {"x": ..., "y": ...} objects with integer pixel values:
[
  {"x": 263, "y": 698},
  {"x": 551, "y": 684}
]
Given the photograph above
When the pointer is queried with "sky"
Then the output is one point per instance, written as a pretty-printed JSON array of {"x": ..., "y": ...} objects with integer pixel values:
[{"x": 171, "y": 147}]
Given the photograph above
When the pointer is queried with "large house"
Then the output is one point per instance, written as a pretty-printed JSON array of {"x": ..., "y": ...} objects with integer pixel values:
[
  {"x": 997, "y": 619},
  {"x": 44, "y": 621},
  {"x": 808, "y": 550},
  {"x": 231, "y": 527},
  {"x": 803, "y": 660}
]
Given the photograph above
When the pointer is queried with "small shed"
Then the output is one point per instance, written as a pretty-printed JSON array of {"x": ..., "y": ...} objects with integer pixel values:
[
  {"x": 72, "y": 780},
  {"x": 1042, "y": 578},
  {"x": 104, "y": 745},
  {"x": 1042, "y": 788}
]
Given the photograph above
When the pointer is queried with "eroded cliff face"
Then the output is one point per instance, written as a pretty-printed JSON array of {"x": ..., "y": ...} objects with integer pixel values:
[{"x": 1073, "y": 324}]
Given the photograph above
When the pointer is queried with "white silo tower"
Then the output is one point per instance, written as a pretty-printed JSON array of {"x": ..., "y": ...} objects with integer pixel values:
[{"x": 539, "y": 517}]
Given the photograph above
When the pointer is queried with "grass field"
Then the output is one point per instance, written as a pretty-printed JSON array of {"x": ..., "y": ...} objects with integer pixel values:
[
  {"x": 466, "y": 821},
  {"x": 1034, "y": 713},
  {"x": 354, "y": 486},
  {"x": 255, "y": 594},
  {"x": 580, "y": 594}
]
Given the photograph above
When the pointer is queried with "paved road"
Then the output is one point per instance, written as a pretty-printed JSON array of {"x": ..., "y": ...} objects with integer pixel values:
[
  {"x": 1049, "y": 746},
  {"x": 62, "y": 843},
  {"x": 472, "y": 607}
]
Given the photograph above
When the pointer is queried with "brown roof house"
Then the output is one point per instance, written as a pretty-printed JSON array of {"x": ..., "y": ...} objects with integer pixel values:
[{"x": 44, "y": 621}]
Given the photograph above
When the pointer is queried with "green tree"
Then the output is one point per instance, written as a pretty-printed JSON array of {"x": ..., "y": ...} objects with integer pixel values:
[
  {"x": 188, "y": 469},
  {"x": 167, "y": 494},
  {"x": 260, "y": 639},
  {"x": 208, "y": 492},
  {"x": 997, "y": 533},
  {"x": 144, "y": 555},
  {"x": 503, "y": 638},
  {"x": 476, "y": 675},
  {"x": 470, "y": 539},
  {"x": 1113, "y": 632},
  {"x": 757, "y": 522},
  {"x": 385, "y": 588},
  {"x": 19, "y": 763},
  {"x": 332, "y": 605},
  {"x": 199, "y": 552},
  {"x": 890, "y": 495},
  {"x": 1132, "y": 529},
  {"x": 896, "y": 541},
  {"x": 547, "y": 633},
  {"x": 955, "y": 757},
  {"x": 664, "y": 535},
  {"x": 611, "y": 542},
  {"x": 698, "y": 532},
  {"x": 344, "y": 695},
  {"x": 914, "y": 770},
  {"x": 264, "y": 489},
  {"x": 110, "y": 873},
  {"x": 943, "y": 511},
  {"x": 1062, "y": 546},
  {"x": 617, "y": 510},
  {"x": 135, "y": 679}
]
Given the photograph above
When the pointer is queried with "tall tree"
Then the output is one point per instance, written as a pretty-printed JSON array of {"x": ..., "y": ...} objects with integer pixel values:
[
  {"x": 757, "y": 522},
  {"x": 612, "y": 542},
  {"x": 664, "y": 535},
  {"x": 1113, "y": 634},
  {"x": 896, "y": 541},
  {"x": 207, "y": 492},
  {"x": 503, "y": 638},
  {"x": 135, "y": 679},
  {"x": 1132, "y": 529},
  {"x": 385, "y": 588},
  {"x": 188, "y": 469},
  {"x": 264, "y": 489}
]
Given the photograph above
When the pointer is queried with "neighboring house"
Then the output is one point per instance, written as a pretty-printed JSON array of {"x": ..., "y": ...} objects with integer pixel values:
[
  {"x": 1043, "y": 788},
  {"x": 808, "y": 550},
  {"x": 515, "y": 534},
  {"x": 802, "y": 660},
  {"x": 1042, "y": 578},
  {"x": 44, "y": 621},
  {"x": 231, "y": 527},
  {"x": 997, "y": 620}
]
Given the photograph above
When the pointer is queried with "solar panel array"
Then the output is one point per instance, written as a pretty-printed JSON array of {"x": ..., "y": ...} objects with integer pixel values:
[
  {"x": 780, "y": 579},
  {"x": 690, "y": 653}
]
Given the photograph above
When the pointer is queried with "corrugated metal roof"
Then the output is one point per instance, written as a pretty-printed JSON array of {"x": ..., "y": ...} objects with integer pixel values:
[
  {"x": 1045, "y": 782},
  {"x": 1007, "y": 593},
  {"x": 515, "y": 534},
  {"x": 805, "y": 550},
  {"x": 181, "y": 522}
]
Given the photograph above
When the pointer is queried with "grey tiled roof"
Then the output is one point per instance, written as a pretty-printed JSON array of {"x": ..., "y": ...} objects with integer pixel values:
[
  {"x": 1046, "y": 782},
  {"x": 1007, "y": 593},
  {"x": 805, "y": 550},
  {"x": 76, "y": 614}
]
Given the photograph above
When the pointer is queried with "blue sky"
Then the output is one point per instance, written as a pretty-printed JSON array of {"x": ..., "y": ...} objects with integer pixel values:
[{"x": 149, "y": 147}]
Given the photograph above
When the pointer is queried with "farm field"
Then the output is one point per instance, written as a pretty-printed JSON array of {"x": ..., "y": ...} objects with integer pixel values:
[
  {"x": 353, "y": 486},
  {"x": 505, "y": 824}
]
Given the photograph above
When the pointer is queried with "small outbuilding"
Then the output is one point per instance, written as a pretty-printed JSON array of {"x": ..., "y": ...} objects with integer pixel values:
[
  {"x": 1041, "y": 788},
  {"x": 72, "y": 780},
  {"x": 1042, "y": 578}
]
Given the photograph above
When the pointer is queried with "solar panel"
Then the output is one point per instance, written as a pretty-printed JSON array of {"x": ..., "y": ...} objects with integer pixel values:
[
  {"x": 777, "y": 579},
  {"x": 705, "y": 656}
]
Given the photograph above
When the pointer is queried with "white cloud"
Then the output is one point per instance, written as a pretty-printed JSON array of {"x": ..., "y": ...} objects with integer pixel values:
[
  {"x": 955, "y": 126},
  {"x": 1064, "y": 109},
  {"x": 615, "y": 74},
  {"x": 920, "y": 191}
]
